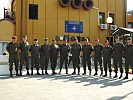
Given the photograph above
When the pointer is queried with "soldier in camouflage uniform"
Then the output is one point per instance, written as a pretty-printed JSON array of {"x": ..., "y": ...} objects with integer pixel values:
[
  {"x": 107, "y": 54},
  {"x": 128, "y": 57},
  {"x": 24, "y": 48},
  {"x": 12, "y": 48},
  {"x": 64, "y": 50},
  {"x": 35, "y": 56},
  {"x": 118, "y": 50},
  {"x": 75, "y": 50},
  {"x": 87, "y": 49},
  {"x": 98, "y": 48},
  {"x": 54, "y": 50},
  {"x": 45, "y": 51}
]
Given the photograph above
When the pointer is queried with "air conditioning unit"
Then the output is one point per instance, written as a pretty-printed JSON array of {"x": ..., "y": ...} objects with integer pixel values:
[
  {"x": 103, "y": 26},
  {"x": 113, "y": 27}
]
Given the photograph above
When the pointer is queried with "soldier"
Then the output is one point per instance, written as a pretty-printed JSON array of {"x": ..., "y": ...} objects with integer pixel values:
[
  {"x": 118, "y": 49},
  {"x": 12, "y": 48},
  {"x": 45, "y": 50},
  {"x": 35, "y": 56},
  {"x": 64, "y": 50},
  {"x": 98, "y": 48},
  {"x": 54, "y": 50},
  {"x": 75, "y": 50},
  {"x": 128, "y": 56},
  {"x": 24, "y": 47},
  {"x": 107, "y": 53},
  {"x": 87, "y": 49}
]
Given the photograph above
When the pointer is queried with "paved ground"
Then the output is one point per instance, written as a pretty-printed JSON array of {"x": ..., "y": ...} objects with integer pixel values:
[{"x": 65, "y": 87}]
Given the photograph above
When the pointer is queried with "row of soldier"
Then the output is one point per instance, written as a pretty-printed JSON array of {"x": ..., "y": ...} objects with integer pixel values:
[{"x": 40, "y": 55}]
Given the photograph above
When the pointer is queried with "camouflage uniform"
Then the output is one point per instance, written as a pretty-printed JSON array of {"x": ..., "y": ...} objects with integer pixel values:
[
  {"x": 12, "y": 48},
  {"x": 35, "y": 57},
  {"x": 24, "y": 47},
  {"x": 64, "y": 50},
  {"x": 75, "y": 50},
  {"x": 87, "y": 50}
]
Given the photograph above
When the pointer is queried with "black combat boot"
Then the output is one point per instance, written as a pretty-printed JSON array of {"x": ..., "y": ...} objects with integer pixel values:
[
  {"x": 46, "y": 72},
  {"x": 84, "y": 71},
  {"x": 53, "y": 72},
  {"x": 115, "y": 75},
  {"x": 101, "y": 73},
  {"x": 28, "y": 72},
  {"x": 31, "y": 71},
  {"x": 38, "y": 72},
  {"x": 78, "y": 71},
  {"x": 20, "y": 72},
  {"x": 11, "y": 73},
  {"x": 42, "y": 72},
  {"x": 90, "y": 72},
  {"x": 66, "y": 70},
  {"x": 110, "y": 74},
  {"x": 126, "y": 77},
  {"x": 17, "y": 73},
  {"x": 95, "y": 73},
  {"x": 60, "y": 71},
  {"x": 120, "y": 76},
  {"x": 74, "y": 71},
  {"x": 105, "y": 74}
]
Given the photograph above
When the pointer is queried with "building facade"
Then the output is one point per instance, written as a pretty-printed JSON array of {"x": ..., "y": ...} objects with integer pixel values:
[
  {"x": 130, "y": 21},
  {"x": 47, "y": 18}
]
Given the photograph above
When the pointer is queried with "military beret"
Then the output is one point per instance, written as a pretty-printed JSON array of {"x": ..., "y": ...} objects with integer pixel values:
[
  {"x": 86, "y": 39},
  {"x": 46, "y": 39},
  {"x": 116, "y": 37},
  {"x": 129, "y": 38},
  {"x": 75, "y": 39},
  {"x": 54, "y": 40},
  {"x": 97, "y": 39},
  {"x": 35, "y": 39},
  {"x": 14, "y": 37},
  {"x": 106, "y": 41}
]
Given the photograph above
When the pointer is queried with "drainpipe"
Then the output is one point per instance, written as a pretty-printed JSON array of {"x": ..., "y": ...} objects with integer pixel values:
[
  {"x": 21, "y": 20},
  {"x": 125, "y": 13}
]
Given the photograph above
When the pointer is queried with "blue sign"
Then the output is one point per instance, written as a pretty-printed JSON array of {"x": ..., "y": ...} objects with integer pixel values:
[{"x": 73, "y": 27}]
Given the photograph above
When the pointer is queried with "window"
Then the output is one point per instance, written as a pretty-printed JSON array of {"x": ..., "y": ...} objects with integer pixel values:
[
  {"x": 130, "y": 25},
  {"x": 112, "y": 15},
  {"x": 101, "y": 18},
  {"x": 33, "y": 11}
]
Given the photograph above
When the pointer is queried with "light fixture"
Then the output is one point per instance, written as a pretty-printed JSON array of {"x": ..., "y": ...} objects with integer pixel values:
[{"x": 109, "y": 20}]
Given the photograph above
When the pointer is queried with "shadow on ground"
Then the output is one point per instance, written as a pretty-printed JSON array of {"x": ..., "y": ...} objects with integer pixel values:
[
  {"x": 120, "y": 97},
  {"x": 86, "y": 80}
]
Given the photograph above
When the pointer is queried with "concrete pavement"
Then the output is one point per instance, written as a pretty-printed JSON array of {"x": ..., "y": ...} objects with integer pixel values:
[{"x": 65, "y": 87}]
